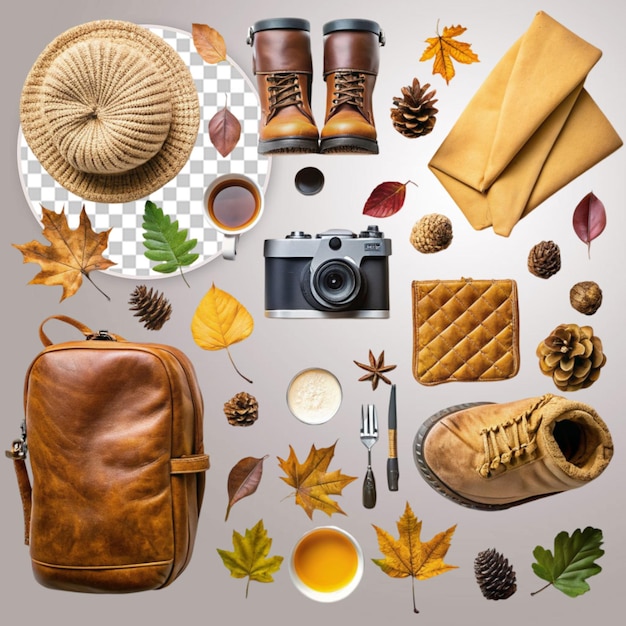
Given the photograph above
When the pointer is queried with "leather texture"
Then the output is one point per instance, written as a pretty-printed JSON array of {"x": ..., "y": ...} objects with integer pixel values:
[
  {"x": 116, "y": 452},
  {"x": 465, "y": 330},
  {"x": 493, "y": 456},
  {"x": 282, "y": 64},
  {"x": 351, "y": 63}
]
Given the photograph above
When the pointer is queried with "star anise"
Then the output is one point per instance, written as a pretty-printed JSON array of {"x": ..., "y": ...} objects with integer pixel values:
[{"x": 376, "y": 369}]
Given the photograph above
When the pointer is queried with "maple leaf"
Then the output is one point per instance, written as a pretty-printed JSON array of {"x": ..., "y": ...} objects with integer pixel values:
[
  {"x": 408, "y": 555},
  {"x": 219, "y": 321},
  {"x": 446, "y": 49},
  {"x": 249, "y": 558},
  {"x": 313, "y": 484},
  {"x": 71, "y": 255}
]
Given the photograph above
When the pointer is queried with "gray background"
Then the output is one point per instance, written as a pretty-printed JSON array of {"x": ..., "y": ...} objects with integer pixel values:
[{"x": 278, "y": 349}]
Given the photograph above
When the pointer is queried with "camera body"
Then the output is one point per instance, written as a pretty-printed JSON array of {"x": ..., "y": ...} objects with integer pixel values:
[{"x": 334, "y": 274}]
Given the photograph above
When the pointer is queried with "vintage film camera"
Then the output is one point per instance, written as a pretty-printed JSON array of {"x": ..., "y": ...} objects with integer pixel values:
[{"x": 334, "y": 274}]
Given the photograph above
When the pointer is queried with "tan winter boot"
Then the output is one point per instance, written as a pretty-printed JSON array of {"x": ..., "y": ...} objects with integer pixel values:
[
  {"x": 493, "y": 456},
  {"x": 281, "y": 62},
  {"x": 351, "y": 59}
]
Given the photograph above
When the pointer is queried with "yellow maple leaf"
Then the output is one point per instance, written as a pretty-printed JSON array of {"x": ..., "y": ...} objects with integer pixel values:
[
  {"x": 71, "y": 255},
  {"x": 249, "y": 557},
  {"x": 445, "y": 48},
  {"x": 408, "y": 555},
  {"x": 219, "y": 321},
  {"x": 313, "y": 484}
]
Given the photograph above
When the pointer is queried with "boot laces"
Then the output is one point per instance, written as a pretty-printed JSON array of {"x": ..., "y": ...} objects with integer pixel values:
[
  {"x": 349, "y": 88},
  {"x": 505, "y": 444},
  {"x": 284, "y": 90}
]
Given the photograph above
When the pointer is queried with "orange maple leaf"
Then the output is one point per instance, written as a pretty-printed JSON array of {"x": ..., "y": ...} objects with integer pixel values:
[
  {"x": 408, "y": 555},
  {"x": 313, "y": 484},
  {"x": 445, "y": 48},
  {"x": 71, "y": 254}
]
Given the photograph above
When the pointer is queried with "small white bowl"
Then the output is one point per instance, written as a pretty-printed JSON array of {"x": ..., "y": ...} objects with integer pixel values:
[
  {"x": 326, "y": 564},
  {"x": 314, "y": 395}
]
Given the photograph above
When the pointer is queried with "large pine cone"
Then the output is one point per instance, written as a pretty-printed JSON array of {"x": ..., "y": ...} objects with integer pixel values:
[
  {"x": 431, "y": 233},
  {"x": 544, "y": 259},
  {"x": 152, "y": 308},
  {"x": 413, "y": 115},
  {"x": 242, "y": 409},
  {"x": 572, "y": 355},
  {"x": 494, "y": 575}
]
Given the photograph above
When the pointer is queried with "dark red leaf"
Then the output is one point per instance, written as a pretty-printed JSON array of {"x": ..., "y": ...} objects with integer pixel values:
[
  {"x": 589, "y": 219},
  {"x": 386, "y": 199},
  {"x": 224, "y": 131}
]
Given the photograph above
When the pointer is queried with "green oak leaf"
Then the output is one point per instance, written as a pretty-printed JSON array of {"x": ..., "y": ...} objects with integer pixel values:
[
  {"x": 249, "y": 558},
  {"x": 572, "y": 562},
  {"x": 165, "y": 242}
]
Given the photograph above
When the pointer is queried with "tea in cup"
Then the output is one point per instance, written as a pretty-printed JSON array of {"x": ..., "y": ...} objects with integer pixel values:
[
  {"x": 326, "y": 564},
  {"x": 233, "y": 205}
]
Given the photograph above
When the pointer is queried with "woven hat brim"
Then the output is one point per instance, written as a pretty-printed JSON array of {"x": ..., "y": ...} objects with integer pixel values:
[{"x": 146, "y": 178}]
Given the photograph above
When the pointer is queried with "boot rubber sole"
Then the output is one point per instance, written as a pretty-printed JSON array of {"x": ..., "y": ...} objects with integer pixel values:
[
  {"x": 437, "y": 484},
  {"x": 348, "y": 144},
  {"x": 288, "y": 145}
]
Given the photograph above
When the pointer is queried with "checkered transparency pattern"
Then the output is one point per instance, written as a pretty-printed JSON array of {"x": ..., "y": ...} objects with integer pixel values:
[
  {"x": 182, "y": 198},
  {"x": 465, "y": 330}
]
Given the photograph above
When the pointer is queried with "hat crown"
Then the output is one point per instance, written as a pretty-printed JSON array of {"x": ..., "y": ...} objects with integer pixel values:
[{"x": 108, "y": 107}]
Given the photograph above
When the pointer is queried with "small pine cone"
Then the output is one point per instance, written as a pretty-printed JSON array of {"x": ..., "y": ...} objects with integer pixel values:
[
  {"x": 494, "y": 575},
  {"x": 152, "y": 307},
  {"x": 242, "y": 409},
  {"x": 572, "y": 355},
  {"x": 432, "y": 233},
  {"x": 414, "y": 115},
  {"x": 544, "y": 259},
  {"x": 586, "y": 297}
]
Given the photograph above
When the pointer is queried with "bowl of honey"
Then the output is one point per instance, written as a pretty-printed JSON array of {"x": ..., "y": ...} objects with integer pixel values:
[{"x": 326, "y": 564}]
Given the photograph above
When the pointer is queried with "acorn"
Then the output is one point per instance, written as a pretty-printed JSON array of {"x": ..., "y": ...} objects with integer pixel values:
[{"x": 586, "y": 297}]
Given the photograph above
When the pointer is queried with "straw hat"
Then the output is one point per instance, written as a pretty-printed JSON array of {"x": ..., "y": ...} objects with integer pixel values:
[{"x": 110, "y": 110}]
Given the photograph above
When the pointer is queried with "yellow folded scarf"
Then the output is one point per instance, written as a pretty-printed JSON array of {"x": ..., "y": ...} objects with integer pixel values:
[{"x": 529, "y": 130}]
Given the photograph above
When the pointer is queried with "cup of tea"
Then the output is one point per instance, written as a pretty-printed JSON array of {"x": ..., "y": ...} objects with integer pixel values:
[
  {"x": 233, "y": 205},
  {"x": 326, "y": 564}
]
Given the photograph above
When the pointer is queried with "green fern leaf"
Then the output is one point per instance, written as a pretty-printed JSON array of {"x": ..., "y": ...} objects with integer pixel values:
[{"x": 165, "y": 243}]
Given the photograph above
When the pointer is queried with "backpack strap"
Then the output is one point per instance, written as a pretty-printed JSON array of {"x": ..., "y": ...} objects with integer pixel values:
[
  {"x": 18, "y": 454},
  {"x": 85, "y": 330}
]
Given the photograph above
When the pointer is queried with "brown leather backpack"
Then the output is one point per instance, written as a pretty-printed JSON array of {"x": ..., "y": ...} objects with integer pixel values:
[{"x": 113, "y": 432}]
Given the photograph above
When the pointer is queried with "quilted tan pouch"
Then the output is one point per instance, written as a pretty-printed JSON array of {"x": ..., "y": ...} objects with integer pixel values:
[{"x": 465, "y": 330}]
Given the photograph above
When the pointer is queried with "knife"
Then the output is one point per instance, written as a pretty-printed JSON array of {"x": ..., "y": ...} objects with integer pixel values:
[{"x": 393, "y": 472}]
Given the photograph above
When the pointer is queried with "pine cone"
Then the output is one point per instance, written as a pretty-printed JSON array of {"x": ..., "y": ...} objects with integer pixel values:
[
  {"x": 544, "y": 259},
  {"x": 152, "y": 307},
  {"x": 432, "y": 233},
  {"x": 242, "y": 409},
  {"x": 572, "y": 355},
  {"x": 494, "y": 575},
  {"x": 413, "y": 114},
  {"x": 586, "y": 297}
]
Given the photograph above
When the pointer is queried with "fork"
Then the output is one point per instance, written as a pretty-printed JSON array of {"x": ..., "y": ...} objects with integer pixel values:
[{"x": 369, "y": 436}]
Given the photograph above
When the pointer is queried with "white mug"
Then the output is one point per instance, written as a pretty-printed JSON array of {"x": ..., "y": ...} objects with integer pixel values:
[{"x": 233, "y": 204}]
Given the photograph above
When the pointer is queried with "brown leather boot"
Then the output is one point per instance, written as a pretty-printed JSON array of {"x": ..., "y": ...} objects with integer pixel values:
[
  {"x": 351, "y": 59},
  {"x": 493, "y": 456},
  {"x": 281, "y": 62}
]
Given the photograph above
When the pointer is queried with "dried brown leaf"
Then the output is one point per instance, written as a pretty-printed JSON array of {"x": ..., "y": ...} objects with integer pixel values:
[
  {"x": 224, "y": 131},
  {"x": 209, "y": 43},
  {"x": 243, "y": 480}
]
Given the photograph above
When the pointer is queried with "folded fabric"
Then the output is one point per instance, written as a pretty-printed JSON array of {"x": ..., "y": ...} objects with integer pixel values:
[
  {"x": 530, "y": 129},
  {"x": 465, "y": 330}
]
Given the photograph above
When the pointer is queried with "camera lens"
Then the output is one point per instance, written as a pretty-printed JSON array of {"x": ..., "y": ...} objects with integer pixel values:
[{"x": 336, "y": 283}]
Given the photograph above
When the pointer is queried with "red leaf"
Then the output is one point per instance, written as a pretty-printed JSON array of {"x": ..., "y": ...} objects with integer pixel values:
[
  {"x": 386, "y": 199},
  {"x": 589, "y": 219},
  {"x": 224, "y": 131}
]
